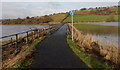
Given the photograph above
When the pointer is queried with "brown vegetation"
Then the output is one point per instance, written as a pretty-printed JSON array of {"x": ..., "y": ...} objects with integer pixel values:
[
  {"x": 28, "y": 20},
  {"x": 19, "y": 52},
  {"x": 24, "y": 47},
  {"x": 109, "y": 53}
]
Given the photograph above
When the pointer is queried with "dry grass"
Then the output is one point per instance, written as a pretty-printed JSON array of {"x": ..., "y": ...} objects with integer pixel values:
[
  {"x": 25, "y": 52},
  {"x": 13, "y": 53},
  {"x": 58, "y": 17},
  {"x": 108, "y": 52}
]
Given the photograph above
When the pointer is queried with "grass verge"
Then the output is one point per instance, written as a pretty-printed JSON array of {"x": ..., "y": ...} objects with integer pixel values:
[
  {"x": 27, "y": 62},
  {"x": 87, "y": 58}
]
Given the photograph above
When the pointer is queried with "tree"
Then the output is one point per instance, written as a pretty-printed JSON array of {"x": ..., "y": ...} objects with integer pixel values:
[
  {"x": 18, "y": 18},
  {"x": 27, "y": 17},
  {"x": 83, "y": 9}
]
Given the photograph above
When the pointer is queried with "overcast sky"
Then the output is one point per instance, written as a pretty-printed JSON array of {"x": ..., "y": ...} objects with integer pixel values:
[{"x": 22, "y": 9}]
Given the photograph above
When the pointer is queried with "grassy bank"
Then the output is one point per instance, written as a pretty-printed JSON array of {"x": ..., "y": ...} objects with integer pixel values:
[
  {"x": 97, "y": 29},
  {"x": 86, "y": 57},
  {"x": 28, "y": 61},
  {"x": 58, "y": 17},
  {"x": 93, "y": 18}
]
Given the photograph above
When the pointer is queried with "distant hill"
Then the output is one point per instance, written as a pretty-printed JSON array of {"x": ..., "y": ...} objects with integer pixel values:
[
  {"x": 47, "y": 19},
  {"x": 98, "y": 14}
]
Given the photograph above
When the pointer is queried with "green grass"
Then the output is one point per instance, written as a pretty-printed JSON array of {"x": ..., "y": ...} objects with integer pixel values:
[
  {"x": 22, "y": 64},
  {"x": 115, "y": 8},
  {"x": 91, "y": 18},
  {"x": 97, "y": 29},
  {"x": 86, "y": 57}
]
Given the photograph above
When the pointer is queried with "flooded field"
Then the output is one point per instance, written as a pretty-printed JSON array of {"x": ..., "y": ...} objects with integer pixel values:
[
  {"x": 13, "y": 29},
  {"x": 103, "y": 32},
  {"x": 104, "y": 23},
  {"x": 107, "y": 39}
]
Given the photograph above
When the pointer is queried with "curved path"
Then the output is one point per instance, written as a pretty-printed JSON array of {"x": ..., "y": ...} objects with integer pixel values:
[{"x": 54, "y": 52}]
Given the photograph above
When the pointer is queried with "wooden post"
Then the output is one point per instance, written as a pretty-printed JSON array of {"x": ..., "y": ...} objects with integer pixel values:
[
  {"x": 11, "y": 41},
  {"x": 27, "y": 38},
  {"x": 38, "y": 33},
  {"x": 33, "y": 34},
  {"x": 16, "y": 40}
]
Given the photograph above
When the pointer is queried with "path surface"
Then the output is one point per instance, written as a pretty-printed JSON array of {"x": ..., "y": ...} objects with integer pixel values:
[{"x": 54, "y": 52}]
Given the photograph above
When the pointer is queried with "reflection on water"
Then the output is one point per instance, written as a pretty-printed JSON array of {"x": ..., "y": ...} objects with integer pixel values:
[
  {"x": 105, "y": 23},
  {"x": 12, "y": 29},
  {"x": 107, "y": 39}
]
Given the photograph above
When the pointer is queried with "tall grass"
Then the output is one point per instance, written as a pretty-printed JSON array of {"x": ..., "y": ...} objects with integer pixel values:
[
  {"x": 92, "y": 62},
  {"x": 86, "y": 42}
]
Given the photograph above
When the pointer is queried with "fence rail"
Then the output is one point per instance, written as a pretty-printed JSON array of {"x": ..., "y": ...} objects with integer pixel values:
[{"x": 28, "y": 37}]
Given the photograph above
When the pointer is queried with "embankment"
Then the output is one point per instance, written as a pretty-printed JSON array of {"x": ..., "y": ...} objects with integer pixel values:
[
  {"x": 109, "y": 53},
  {"x": 16, "y": 52}
]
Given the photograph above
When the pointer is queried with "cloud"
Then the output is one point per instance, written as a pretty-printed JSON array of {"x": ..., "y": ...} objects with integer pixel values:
[
  {"x": 23, "y": 9},
  {"x": 55, "y": 5},
  {"x": 0, "y": 10},
  {"x": 15, "y": 11},
  {"x": 60, "y": 0},
  {"x": 10, "y": 11}
]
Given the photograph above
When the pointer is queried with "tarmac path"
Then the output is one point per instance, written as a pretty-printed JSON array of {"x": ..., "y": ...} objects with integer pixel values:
[{"x": 54, "y": 52}]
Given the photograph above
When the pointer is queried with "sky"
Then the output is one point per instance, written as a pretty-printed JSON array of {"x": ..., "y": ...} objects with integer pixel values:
[
  {"x": 60, "y": 0},
  {"x": 13, "y": 9}
]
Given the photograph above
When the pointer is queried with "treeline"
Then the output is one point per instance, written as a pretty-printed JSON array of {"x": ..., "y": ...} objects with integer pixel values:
[{"x": 28, "y": 20}]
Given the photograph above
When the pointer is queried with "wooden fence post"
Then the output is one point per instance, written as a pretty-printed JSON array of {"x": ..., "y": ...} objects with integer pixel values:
[
  {"x": 16, "y": 40},
  {"x": 38, "y": 33},
  {"x": 11, "y": 41},
  {"x": 33, "y": 34},
  {"x": 27, "y": 38}
]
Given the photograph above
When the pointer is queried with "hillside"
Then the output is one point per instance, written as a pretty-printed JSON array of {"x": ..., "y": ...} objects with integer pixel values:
[
  {"x": 42, "y": 20},
  {"x": 98, "y": 14}
]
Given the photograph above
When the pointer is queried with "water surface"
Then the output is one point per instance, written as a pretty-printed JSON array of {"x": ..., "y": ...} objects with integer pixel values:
[
  {"x": 104, "y": 23},
  {"x": 13, "y": 29},
  {"x": 107, "y": 39}
]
